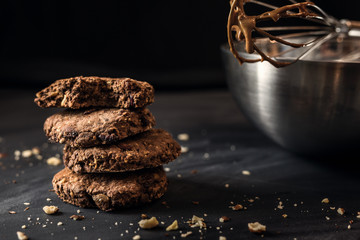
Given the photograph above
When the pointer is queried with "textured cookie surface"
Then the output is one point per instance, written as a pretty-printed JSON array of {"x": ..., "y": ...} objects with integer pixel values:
[
  {"x": 86, "y": 128},
  {"x": 82, "y": 92},
  {"x": 145, "y": 150},
  {"x": 110, "y": 191}
]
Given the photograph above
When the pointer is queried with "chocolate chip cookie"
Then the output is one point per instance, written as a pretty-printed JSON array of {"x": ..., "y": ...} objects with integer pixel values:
[
  {"x": 86, "y": 128},
  {"x": 112, "y": 190},
  {"x": 145, "y": 150},
  {"x": 83, "y": 92}
]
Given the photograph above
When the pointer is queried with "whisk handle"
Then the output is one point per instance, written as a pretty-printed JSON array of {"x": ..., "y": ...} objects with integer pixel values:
[{"x": 352, "y": 24}]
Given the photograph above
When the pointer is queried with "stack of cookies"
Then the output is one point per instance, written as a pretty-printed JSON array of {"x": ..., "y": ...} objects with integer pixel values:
[{"x": 113, "y": 156}]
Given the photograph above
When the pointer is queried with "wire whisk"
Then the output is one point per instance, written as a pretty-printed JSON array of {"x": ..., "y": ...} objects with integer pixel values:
[{"x": 241, "y": 28}]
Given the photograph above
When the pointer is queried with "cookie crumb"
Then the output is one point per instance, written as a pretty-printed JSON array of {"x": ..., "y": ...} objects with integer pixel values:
[
  {"x": 148, "y": 223},
  {"x": 59, "y": 223},
  {"x": 349, "y": 226},
  {"x": 78, "y": 211},
  {"x": 53, "y": 161},
  {"x": 332, "y": 208},
  {"x": 224, "y": 219},
  {"x": 184, "y": 235},
  {"x": 183, "y": 137},
  {"x": 167, "y": 169},
  {"x": 184, "y": 149},
  {"x": 23, "y": 226},
  {"x": 341, "y": 211},
  {"x": 325, "y": 200},
  {"x": 25, "y": 209},
  {"x": 21, "y": 236},
  {"x": 144, "y": 216},
  {"x": 222, "y": 238},
  {"x": 77, "y": 217},
  {"x": 237, "y": 207},
  {"x": 136, "y": 237},
  {"x": 246, "y": 172},
  {"x": 50, "y": 209},
  {"x": 284, "y": 215},
  {"x": 256, "y": 227},
  {"x": 35, "y": 150},
  {"x": 26, "y": 153},
  {"x": 173, "y": 226}
]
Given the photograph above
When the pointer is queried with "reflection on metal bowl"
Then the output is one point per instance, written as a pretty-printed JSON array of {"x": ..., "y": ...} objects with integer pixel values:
[{"x": 310, "y": 107}]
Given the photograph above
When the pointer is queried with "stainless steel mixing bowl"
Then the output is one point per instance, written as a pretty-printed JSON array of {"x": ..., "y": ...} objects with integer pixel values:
[{"x": 309, "y": 107}]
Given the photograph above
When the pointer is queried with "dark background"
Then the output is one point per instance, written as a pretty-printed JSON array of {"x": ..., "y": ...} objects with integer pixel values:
[{"x": 172, "y": 44}]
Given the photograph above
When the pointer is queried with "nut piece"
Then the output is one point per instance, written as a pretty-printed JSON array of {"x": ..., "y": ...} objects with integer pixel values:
[
  {"x": 50, "y": 209},
  {"x": 197, "y": 222},
  {"x": 325, "y": 200},
  {"x": 148, "y": 223},
  {"x": 256, "y": 227},
  {"x": 341, "y": 211},
  {"x": 53, "y": 161},
  {"x": 184, "y": 235},
  {"x": 183, "y": 137},
  {"x": 136, "y": 237},
  {"x": 173, "y": 226},
  {"x": 77, "y": 217},
  {"x": 21, "y": 236}
]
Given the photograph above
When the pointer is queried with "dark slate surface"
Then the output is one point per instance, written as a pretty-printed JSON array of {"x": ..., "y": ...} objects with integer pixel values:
[{"x": 222, "y": 144}]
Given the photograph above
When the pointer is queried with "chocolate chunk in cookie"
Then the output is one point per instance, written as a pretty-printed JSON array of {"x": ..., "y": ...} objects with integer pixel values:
[
  {"x": 110, "y": 191},
  {"x": 86, "y": 128},
  {"x": 145, "y": 150},
  {"x": 82, "y": 92}
]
